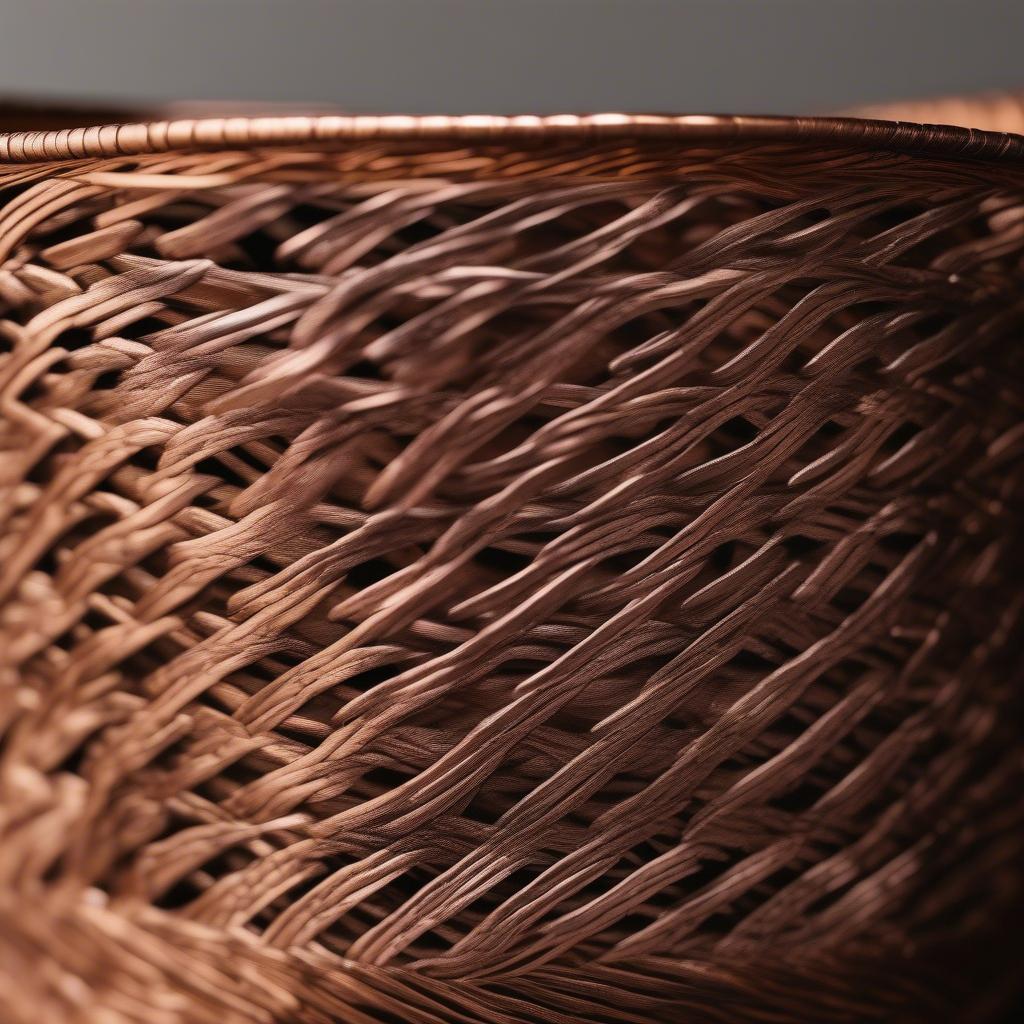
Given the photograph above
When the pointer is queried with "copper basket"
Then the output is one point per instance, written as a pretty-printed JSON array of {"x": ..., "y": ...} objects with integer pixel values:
[{"x": 510, "y": 570}]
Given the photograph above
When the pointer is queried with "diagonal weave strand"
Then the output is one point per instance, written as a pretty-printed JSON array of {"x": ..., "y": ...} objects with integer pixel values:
[{"x": 507, "y": 581}]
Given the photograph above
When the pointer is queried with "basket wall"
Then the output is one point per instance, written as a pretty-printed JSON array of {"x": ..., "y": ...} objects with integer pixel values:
[{"x": 509, "y": 582}]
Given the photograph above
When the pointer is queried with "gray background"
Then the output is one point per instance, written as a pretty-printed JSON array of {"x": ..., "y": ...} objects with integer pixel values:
[{"x": 743, "y": 56}]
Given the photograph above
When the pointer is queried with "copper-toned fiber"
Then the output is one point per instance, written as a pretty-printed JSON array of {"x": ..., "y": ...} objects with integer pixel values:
[{"x": 472, "y": 571}]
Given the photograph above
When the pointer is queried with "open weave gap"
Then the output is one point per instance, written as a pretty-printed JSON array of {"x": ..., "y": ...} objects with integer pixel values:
[{"x": 495, "y": 584}]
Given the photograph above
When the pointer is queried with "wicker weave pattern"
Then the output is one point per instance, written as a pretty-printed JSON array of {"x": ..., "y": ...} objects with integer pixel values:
[{"x": 506, "y": 583}]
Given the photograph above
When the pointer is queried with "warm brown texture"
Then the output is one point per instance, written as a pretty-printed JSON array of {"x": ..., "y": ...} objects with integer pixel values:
[
  {"x": 991, "y": 112},
  {"x": 559, "y": 575}
]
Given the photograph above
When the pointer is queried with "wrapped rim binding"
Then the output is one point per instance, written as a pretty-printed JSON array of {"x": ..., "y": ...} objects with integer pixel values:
[{"x": 157, "y": 136}]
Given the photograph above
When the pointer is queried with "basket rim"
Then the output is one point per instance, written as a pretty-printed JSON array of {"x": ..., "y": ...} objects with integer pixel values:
[{"x": 205, "y": 133}]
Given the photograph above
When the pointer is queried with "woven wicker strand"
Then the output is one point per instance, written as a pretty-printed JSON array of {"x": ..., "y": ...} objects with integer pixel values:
[{"x": 510, "y": 571}]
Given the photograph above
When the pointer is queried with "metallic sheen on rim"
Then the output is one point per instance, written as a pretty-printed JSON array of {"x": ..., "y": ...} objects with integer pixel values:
[{"x": 190, "y": 133}]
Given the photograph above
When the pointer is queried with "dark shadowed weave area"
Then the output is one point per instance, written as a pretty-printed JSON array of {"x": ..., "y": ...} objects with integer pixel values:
[{"x": 498, "y": 573}]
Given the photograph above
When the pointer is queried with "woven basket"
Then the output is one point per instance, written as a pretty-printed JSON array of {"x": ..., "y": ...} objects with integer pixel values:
[{"x": 510, "y": 570}]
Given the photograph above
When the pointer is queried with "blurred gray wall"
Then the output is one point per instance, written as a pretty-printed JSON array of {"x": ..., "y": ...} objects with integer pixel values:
[{"x": 753, "y": 56}]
